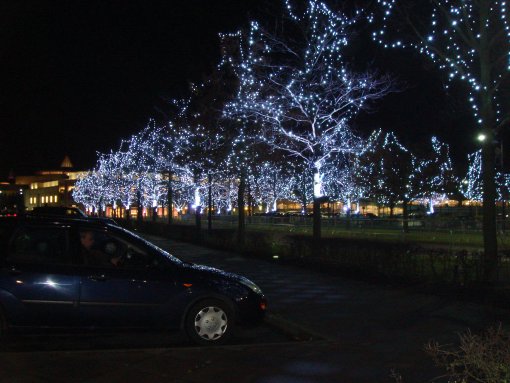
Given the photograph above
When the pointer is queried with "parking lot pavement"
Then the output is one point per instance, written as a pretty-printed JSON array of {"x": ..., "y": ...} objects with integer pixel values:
[{"x": 394, "y": 324}]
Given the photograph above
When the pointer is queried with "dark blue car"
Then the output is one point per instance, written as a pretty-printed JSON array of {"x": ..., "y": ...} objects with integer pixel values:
[{"x": 64, "y": 273}]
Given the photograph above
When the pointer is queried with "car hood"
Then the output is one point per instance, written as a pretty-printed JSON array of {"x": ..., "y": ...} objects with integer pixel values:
[{"x": 202, "y": 270}]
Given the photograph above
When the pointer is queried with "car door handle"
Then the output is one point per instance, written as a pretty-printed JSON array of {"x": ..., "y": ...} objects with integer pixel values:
[
  {"x": 98, "y": 278},
  {"x": 14, "y": 271}
]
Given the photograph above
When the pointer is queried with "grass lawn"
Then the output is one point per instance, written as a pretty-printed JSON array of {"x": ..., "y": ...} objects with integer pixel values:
[{"x": 417, "y": 235}]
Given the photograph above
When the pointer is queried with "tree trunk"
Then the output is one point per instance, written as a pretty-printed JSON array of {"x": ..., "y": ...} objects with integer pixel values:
[
  {"x": 240, "y": 206},
  {"x": 170, "y": 199},
  {"x": 503, "y": 209},
  {"x": 140, "y": 209},
  {"x": 405, "y": 213},
  {"x": 198, "y": 217},
  {"x": 489, "y": 210},
  {"x": 198, "y": 202},
  {"x": 209, "y": 203},
  {"x": 250, "y": 203},
  {"x": 316, "y": 219},
  {"x": 348, "y": 220},
  {"x": 303, "y": 197},
  {"x": 488, "y": 151},
  {"x": 317, "y": 199}
]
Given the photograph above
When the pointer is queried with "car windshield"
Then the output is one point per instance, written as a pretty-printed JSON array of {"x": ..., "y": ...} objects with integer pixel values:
[{"x": 149, "y": 244}]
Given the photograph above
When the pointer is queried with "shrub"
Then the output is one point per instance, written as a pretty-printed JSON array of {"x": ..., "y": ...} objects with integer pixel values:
[{"x": 483, "y": 358}]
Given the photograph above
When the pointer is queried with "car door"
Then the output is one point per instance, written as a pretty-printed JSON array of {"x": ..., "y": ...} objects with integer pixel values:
[
  {"x": 135, "y": 291},
  {"x": 37, "y": 279}
]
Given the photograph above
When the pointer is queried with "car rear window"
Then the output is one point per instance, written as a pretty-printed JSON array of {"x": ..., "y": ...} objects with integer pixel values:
[{"x": 39, "y": 245}]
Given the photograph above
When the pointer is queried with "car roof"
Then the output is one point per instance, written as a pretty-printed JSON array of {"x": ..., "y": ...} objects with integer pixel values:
[
  {"x": 57, "y": 210},
  {"x": 70, "y": 220},
  {"x": 8, "y": 225}
]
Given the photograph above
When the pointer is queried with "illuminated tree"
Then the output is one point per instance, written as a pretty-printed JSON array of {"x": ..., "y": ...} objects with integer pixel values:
[
  {"x": 133, "y": 173},
  {"x": 472, "y": 185},
  {"x": 297, "y": 86},
  {"x": 272, "y": 183},
  {"x": 88, "y": 191},
  {"x": 147, "y": 155},
  {"x": 469, "y": 40},
  {"x": 388, "y": 171},
  {"x": 301, "y": 183},
  {"x": 343, "y": 184},
  {"x": 435, "y": 175}
]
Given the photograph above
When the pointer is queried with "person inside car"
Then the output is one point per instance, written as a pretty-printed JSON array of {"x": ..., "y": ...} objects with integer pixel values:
[{"x": 93, "y": 256}]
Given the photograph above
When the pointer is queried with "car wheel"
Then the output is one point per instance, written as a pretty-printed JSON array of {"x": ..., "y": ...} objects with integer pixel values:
[{"x": 209, "y": 322}]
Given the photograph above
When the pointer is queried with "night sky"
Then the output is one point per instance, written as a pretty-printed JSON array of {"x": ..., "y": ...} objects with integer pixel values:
[{"x": 77, "y": 76}]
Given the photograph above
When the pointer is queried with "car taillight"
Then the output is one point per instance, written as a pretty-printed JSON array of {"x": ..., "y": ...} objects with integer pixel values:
[{"x": 263, "y": 305}]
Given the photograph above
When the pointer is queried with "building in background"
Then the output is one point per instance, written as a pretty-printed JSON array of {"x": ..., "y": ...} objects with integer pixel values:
[{"x": 49, "y": 187}]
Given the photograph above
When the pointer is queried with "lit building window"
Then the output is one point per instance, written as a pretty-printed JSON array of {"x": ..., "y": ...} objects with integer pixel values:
[
  {"x": 51, "y": 199},
  {"x": 49, "y": 184},
  {"x": 55, "y": 199}
]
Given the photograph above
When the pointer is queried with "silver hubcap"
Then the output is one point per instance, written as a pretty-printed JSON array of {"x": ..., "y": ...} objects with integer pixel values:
[{"x": 211, "y": 323}]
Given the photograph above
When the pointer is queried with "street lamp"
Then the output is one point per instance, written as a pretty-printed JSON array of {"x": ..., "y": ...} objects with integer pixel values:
[{"x": 481, "y": 137}]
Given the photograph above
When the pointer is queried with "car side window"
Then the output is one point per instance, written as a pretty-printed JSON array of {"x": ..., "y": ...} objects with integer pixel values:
[
  {"x": 103, "y": 249},
  {"x": 99, "y": 249},
  {"x": 137, "y": 257},
  {"x": 39, "y": 245}
]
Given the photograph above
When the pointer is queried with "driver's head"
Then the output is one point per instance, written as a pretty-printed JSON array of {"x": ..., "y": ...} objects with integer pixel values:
[{"x": 87, "y": 239}]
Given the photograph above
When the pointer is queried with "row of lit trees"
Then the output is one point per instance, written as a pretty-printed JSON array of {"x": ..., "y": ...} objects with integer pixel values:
[
  {"x": 275, "y": 119},
  {"x": 151, "y": 169}
]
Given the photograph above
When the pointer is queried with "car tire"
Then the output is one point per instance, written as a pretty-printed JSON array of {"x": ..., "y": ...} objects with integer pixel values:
[{"x": 209, "y": 322}]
